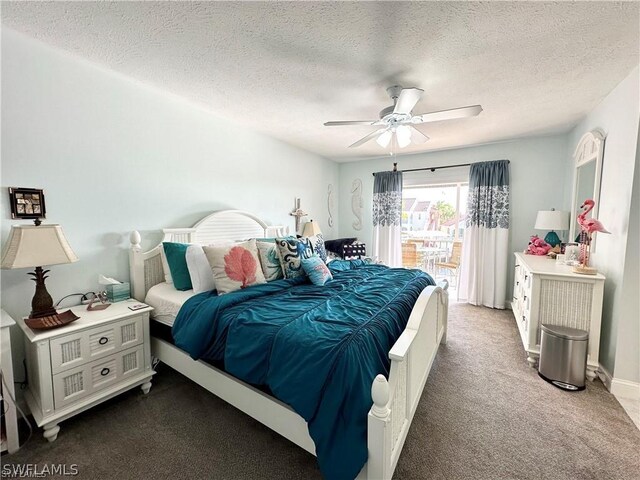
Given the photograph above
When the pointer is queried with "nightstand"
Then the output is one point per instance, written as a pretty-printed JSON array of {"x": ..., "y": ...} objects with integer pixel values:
[{"x": 72, "y": 368}]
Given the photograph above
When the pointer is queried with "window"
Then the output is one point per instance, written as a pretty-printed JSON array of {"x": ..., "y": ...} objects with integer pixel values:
[{"x": 435, "y": 210}]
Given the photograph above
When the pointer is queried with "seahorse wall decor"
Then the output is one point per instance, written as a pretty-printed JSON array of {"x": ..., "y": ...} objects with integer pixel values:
[
  {"x": 330, "y": 205},
  {"x": 356, "y": 203}
]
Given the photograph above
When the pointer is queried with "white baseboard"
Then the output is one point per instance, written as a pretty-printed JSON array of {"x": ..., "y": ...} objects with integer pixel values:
[
  {"x": 625, "y": 388},
  {"x": 618, "y": 386},
  {"x": 605, "y": 377}
]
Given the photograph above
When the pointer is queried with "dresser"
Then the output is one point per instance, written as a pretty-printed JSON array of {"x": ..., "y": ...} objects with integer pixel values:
[
  {"x": 546, "y": 292},
  {"x": 72, "y": 368}
]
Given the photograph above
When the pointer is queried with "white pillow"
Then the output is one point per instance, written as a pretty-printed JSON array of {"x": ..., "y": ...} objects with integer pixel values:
[
  {"x": 199, "y": 269},
  {"x": 165, "y": 266}
]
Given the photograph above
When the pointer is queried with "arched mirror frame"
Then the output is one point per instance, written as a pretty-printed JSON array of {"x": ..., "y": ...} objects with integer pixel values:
[{"x": 590, "y": 149}]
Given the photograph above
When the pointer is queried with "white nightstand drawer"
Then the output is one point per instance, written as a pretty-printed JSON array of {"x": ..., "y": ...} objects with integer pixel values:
[
  {"x": 73, "y": 350},
  {"x": 77, "y": 383}
]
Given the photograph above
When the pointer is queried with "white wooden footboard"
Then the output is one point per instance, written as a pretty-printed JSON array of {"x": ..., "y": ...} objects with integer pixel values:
[{"x": 395, "y": 401}]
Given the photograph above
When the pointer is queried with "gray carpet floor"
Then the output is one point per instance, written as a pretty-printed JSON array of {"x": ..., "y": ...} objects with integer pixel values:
[{"x": 484, "y": 415}]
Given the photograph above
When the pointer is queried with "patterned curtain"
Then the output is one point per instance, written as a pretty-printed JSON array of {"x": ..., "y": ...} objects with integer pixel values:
[
  {"x": 483, "y": 270},
  {"x": 387, "y": 216}
]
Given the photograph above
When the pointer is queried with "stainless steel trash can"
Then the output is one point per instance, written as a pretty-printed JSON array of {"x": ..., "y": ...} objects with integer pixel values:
[{"x": 563, "y": 356}]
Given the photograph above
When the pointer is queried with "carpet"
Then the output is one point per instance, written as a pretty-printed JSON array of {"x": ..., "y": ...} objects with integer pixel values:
[{"x": 484, "y": 414}]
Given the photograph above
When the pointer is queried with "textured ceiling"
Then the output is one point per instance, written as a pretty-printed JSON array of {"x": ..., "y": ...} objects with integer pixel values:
[{"x": 284, "y": 68}]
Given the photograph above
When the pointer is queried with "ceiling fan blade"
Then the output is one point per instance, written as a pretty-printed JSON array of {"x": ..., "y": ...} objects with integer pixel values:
[
  {"x": 451, "y": 114},
  {"x": 349, "y": 122},
  {"x": 364, "y": 140},
  {"x": 417, "y": 136},
  {"x": 407, "y": 100}
]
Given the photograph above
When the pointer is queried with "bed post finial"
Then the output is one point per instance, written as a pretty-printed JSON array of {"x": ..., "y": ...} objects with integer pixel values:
[
  {"x": 380, "y": 396},
  {"x": 135, "y": 239}
]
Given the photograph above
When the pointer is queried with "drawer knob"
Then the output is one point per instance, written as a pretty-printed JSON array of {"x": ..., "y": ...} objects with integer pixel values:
[
  {"x": 517, "y": 283},
  {"x": 525, "y": 297},
  {"x": 526, "y": 276},
  {"x": 104, "y": 372},
  {"x": 103, "y": 340}
]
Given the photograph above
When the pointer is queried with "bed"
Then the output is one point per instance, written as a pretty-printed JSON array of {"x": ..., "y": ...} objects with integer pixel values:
[{"x": 393, "y": 399}]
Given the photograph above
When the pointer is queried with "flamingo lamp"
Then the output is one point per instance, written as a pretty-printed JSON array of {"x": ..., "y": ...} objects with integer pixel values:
[{"x": 589, "y": 226}]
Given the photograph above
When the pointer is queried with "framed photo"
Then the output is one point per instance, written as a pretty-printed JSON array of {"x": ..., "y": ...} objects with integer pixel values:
[{"x": 27, "y": 203}]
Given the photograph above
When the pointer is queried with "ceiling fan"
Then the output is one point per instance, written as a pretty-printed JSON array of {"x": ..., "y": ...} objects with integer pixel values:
[{"x": 398, "y": 121}]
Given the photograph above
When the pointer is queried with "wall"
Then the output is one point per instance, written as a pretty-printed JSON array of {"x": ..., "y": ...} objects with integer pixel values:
[
  {"x": 113, "y": 155},
  {"x": 617, "y": 115},
  {"x": 627, "y": 361},
  {"x": 537, "y": 183}
]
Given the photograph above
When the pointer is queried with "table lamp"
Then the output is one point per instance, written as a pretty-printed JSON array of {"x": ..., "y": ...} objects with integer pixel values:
[
  {"x": 31, "y": 246},
  {"x": 552, "y": 220},
  {"x": 311, "y": 229}
]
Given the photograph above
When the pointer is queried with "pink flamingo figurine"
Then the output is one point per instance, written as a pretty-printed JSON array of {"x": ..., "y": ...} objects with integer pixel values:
[{"x": 589, "y": 226}]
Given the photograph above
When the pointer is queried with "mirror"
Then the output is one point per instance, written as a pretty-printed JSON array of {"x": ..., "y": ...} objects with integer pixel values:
[{"x": 586, "y": 179}]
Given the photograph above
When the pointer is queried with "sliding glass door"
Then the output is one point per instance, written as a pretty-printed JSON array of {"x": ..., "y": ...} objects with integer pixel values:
[{"x": 433, "y": 220}]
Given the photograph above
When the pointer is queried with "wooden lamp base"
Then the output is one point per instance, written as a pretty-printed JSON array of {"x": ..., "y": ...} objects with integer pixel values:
[
  {"x": 581, "y": 269},
  {"x": 42, "y": 303}
]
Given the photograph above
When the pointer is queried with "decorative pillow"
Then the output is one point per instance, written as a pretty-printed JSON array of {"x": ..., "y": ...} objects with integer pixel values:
[
  {"x": 175, "y": 254},
  {"x": 317, "y": 270},
  {"x": 199, "y": 269},
  {"x": 354, "y": 251},
  {"x": 235, "y": 266},
  {"x": 268, "y": 254},
  {"x": 337, "y": 246},
  {"x": 317, "y": 242},
  {"x": 291, "y": 251}
]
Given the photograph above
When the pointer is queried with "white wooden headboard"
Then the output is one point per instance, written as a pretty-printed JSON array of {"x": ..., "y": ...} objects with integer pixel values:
[{"x": 146, "y": 267}]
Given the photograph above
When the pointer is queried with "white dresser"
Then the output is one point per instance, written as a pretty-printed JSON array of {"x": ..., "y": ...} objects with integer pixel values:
[
  {"x": 545, "y": 292},
  {"x": 75, "y": 367}
]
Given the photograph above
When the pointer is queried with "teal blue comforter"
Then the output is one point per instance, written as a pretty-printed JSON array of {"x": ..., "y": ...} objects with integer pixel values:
[{"x": 316, "y": 348}]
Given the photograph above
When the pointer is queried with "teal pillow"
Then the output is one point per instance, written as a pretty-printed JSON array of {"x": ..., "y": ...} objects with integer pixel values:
[
  {"x": 176, "y": 258},
  {"x": 316, "y": 270}
]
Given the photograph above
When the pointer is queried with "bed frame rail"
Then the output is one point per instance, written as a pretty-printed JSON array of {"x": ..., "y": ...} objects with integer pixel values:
[{"x": 395, "y": 400}]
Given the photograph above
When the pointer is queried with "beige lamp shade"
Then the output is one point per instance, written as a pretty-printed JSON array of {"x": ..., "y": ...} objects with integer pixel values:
[
  {"x": 311, "y": 229},
  {"x": 552, "y": 220},
  {"x": 34, "y": 246}
]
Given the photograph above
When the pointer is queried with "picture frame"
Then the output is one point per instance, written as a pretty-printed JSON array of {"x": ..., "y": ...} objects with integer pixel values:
[{"x": 27, "y": 203}]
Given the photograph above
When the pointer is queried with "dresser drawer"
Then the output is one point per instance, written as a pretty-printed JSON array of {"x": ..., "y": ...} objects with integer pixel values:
[
  {"x": 87, "y": 345},
  {"x": 77, "y": 383},
  {"x": 526, "y": 280}
]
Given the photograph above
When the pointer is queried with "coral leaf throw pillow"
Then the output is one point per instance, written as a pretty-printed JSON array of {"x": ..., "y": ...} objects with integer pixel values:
[{"x": 235, "y": 266}]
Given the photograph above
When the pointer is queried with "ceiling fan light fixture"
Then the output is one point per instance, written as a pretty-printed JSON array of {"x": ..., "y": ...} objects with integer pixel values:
[
  {"x": 384, "y": 138},
  {"x": 397, "y": 121},
  {"x": 403, "y": 135}
]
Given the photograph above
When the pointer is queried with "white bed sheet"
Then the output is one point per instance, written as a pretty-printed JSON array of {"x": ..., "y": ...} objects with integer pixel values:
[{"x": 166, "y": 301}]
